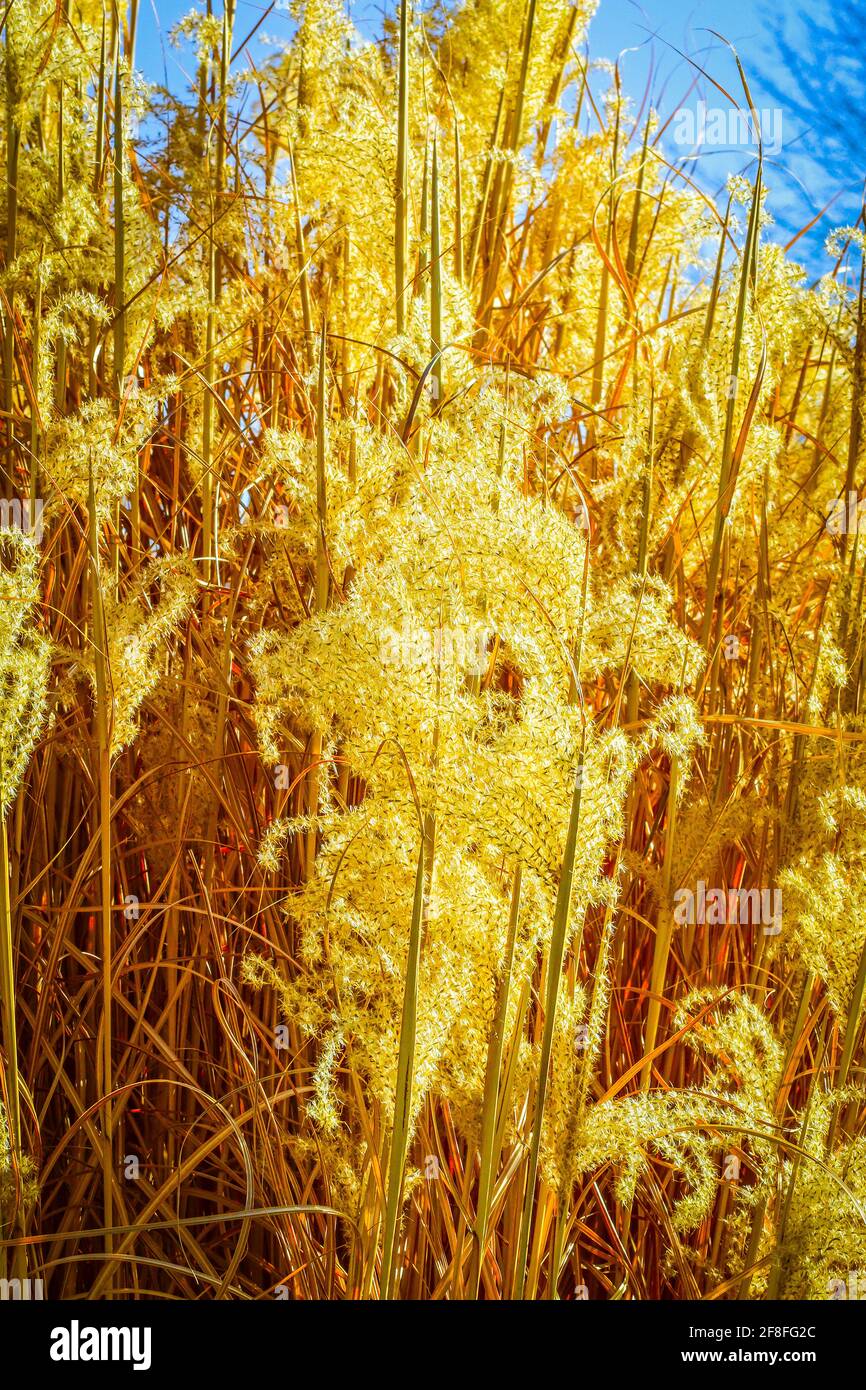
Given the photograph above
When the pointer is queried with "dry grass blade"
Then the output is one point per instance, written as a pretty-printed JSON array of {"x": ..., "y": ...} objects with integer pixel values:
[{"x": 374, "y": 462}]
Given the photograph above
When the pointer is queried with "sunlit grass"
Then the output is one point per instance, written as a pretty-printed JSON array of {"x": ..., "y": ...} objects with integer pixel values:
[{"x": 434, "y": 583}]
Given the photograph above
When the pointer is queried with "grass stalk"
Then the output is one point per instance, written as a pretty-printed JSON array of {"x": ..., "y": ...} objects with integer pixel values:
[
  {"x": 103, "y": 780},
  {"x": 489, "y": 1151},
  {"x": 555, "y": 959},
  {"x": 401, "y": 1127},
  {"x": 401, "y": 190}
]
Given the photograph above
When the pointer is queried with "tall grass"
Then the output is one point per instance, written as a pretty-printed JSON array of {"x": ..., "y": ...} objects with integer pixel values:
[{"x": 434, "y": 586}]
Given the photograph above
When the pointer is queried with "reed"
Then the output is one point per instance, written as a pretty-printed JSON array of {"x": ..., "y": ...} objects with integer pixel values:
[{"x": 434, "y": 584}]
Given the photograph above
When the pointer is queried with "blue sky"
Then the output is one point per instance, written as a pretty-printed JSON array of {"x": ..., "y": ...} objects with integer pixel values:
[
  {"x": 649, "y": 39},
  {"x": 799, "y": 181}
]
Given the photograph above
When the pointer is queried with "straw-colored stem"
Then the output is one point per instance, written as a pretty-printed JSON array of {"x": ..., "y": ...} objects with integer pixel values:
[
  {"x": 556, "y": 955},
  {"x": 103, "y": 760},
  {"x": 400, "y": 1130},
  {"x": 401, "y": 190}
]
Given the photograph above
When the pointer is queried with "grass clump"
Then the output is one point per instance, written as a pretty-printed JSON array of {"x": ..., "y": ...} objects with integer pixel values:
[{"x": 434, "y": 582}]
